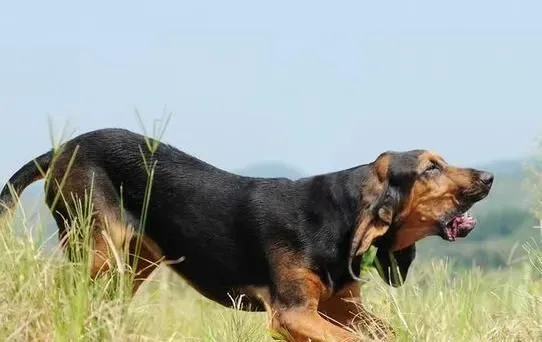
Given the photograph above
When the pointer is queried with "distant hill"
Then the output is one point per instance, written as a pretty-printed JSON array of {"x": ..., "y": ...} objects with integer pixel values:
[
  {"x": 510, "y": 167},
  {"x": 270, "y": 170}
]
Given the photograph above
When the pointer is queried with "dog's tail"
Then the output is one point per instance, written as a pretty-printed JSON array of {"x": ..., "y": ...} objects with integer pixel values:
[{"x": 31, "y": 172}]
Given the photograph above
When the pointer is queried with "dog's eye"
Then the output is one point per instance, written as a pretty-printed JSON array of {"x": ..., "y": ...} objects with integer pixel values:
[{"x": 432, "y": 169}]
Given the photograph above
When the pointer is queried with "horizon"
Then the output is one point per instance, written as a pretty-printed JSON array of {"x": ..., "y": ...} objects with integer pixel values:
[{"x": 258, "y": 165}]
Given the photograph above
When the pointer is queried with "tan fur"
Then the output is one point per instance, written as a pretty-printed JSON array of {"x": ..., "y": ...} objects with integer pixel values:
[
  {"x": 117, "y": 244},
  {"x": 368, "y": 228},
  {"x": 303, "y": 323},
  {"x": 429, "y": 200},
  {"x": 345, "y": 309},
  {"x": 381, "y": 166}
]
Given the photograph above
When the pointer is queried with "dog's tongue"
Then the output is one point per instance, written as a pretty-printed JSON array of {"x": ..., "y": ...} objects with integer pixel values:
[
  {"x": 460, "y": 226},
  {"x": 465, "y": 221}
]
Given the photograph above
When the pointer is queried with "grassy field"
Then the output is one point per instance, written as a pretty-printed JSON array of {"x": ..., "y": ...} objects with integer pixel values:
[{"x": 44, "y": 297}]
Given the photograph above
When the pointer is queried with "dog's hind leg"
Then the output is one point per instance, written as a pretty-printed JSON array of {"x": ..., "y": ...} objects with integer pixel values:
[
  {"x": 145, "y": 257},
  {"x": 111, "y": 231},
  {"x": 117, "y": 241}
]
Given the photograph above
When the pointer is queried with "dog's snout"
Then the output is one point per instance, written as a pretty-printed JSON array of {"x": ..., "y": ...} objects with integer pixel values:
[{"x": 486, "y": 178}]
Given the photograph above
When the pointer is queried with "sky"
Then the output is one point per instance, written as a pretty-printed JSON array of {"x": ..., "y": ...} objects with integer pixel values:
[{"x": 317, "y": 85}]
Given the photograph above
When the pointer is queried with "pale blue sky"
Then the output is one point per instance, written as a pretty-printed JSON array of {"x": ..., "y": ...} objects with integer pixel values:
[{"x": 317, "y": 85}]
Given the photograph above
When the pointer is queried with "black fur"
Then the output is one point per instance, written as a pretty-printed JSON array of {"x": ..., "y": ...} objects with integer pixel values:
[{"x": 21, "y": 179}]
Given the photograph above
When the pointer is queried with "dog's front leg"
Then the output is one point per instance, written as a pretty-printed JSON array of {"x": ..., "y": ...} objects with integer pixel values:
[
  {"x": 345, "y": 309},
  {"x": 294, "y": 309}
]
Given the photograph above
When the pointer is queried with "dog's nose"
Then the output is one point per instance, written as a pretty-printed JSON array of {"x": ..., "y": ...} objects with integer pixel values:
[{"x": 486, "y": 178}]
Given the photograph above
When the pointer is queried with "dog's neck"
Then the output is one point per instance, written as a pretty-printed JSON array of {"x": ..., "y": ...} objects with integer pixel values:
[{"x": 351, "y": 192}]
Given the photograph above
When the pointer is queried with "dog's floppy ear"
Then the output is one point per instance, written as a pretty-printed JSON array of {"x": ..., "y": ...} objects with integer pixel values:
[
  {"x": 393, "y": 266},
  {"x": 375, "y": 217}
]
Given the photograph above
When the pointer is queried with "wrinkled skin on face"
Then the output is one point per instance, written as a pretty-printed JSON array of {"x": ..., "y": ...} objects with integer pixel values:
[
  {"x": 422, "y": 195},
  {"x": 438, "y": 201}
]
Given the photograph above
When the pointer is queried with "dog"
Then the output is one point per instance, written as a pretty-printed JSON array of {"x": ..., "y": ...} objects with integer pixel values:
[{"x": 290, "y": 247}]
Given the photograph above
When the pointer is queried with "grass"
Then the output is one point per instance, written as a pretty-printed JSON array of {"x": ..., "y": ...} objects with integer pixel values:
[{"x": 45, "y": 297}]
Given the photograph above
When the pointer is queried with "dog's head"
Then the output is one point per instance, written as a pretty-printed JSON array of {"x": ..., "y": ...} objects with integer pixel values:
[{"x": 411, "y": 195}]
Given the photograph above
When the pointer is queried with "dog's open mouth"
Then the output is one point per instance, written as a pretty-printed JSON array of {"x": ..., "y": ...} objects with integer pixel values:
[{"x": 459, "y": 226}]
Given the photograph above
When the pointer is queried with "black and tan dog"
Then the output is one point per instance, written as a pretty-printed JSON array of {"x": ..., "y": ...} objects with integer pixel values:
[{"x": 292, "y": 247}]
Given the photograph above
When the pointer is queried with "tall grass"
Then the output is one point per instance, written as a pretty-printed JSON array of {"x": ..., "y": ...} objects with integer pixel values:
[{"x": 46, "y": 297}]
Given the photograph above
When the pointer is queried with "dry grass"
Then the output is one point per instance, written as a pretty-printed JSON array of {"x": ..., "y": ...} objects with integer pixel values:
[{"x": 43, "y": 297}]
